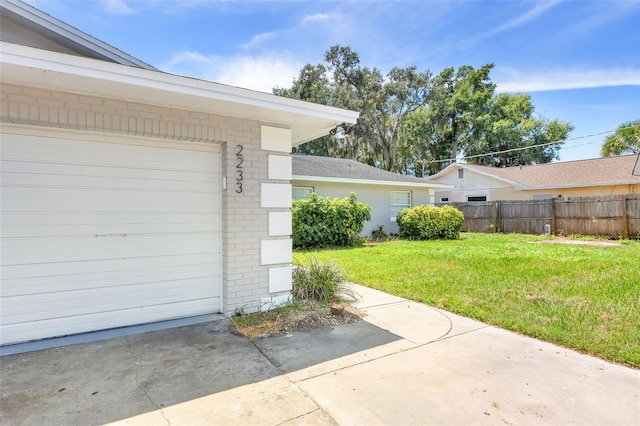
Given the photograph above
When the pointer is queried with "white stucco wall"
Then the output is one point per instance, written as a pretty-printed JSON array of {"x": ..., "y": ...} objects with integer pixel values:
[
  {"x": 472, "y": 185},
  {"x": 377, "y": 196}
]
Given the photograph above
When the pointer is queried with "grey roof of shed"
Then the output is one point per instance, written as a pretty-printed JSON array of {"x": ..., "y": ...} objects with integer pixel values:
[{"x": 341, "y": 169}]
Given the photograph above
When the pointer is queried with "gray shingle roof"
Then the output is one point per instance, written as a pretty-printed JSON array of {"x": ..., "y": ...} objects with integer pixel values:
[
  {"x": 340, "y": 168},
  {"x": 570, "y": 173}
]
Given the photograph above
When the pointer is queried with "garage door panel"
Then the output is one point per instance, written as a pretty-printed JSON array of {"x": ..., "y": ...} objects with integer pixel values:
[
  {"x": 104, "y": 183},
  {"x": 85, "y": 281},
  {"x": 35, "y": 149},
  {"x": 74, "y": 249},
  {"x": 105, "y": 234},
  {"x": 70, "y": 230},
  {"x": 26, "y": 199},
  {"x": 103, "y": 320},
  {"x": 46, "y": 271},
  {"x": 39, "y": 169},
  {"x": 106, "y": 299},
  {"x": 10, "y": 220}
]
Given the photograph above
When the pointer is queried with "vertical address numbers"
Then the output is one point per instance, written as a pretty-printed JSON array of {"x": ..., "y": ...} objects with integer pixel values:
[{"x": 239, "y": 173}]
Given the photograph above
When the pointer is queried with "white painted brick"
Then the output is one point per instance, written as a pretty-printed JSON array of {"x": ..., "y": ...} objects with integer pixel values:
[
  {"x": 280, "y": 223},
  {"x": 273, "y": 302},
  {"x": 280, "y": 167},
  {"x": 276, "y": 251},
  {"x": 280, "y": 279},
  {"x": 275, "y": 139},
  {"x": 275, "y": 195}
]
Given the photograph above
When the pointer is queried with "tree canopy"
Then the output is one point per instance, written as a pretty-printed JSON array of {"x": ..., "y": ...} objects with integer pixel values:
[
  {"x": 416, "y": 123},
  {"x": 625, "y": 140}
]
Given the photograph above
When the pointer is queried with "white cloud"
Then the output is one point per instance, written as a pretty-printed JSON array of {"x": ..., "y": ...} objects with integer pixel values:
[
  {"x": 261, "y": 73},
  {"x": 315, "y": 18},
  {"x": 117, "y": 7},
  {"x": 258, "y": 40},
  {"x": 539, "y": 81},
  {"x": 532, "y": 14},
  {"x": 518, "y": 21}
]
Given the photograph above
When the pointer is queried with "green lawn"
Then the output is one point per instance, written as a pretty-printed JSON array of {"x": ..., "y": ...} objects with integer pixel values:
[{"x": 582, "y": 297}]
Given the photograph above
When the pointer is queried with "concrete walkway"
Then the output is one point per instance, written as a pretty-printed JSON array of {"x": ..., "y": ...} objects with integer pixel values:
[
  {"x": 442, "y": 369},
  {"x": 405, "y": 364}
]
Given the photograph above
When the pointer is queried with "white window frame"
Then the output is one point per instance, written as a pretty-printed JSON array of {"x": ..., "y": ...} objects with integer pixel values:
[
  {"x": 293, "y": 192},
  {"x": 396, "y": 207}
]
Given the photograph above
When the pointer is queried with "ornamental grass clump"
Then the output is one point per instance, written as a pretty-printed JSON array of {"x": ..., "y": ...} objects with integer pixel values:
[{"x": 321, "y": 282}]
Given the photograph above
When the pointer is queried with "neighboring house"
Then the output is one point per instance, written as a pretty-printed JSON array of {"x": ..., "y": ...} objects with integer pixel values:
[
  {"x": 129, "y": 195},
  {"x": 583, "y": 178},
  {"x": 387, "y": 193}
]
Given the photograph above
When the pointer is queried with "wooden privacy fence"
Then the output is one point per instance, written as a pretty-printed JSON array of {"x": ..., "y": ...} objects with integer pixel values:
[{"x": 609, "y": 216}]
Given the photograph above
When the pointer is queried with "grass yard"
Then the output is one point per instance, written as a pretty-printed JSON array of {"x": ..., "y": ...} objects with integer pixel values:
[{"x": 582, "y": 297}]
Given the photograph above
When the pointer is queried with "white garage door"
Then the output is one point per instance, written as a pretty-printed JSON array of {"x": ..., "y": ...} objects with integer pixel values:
[{"x": 105, "y": 233}]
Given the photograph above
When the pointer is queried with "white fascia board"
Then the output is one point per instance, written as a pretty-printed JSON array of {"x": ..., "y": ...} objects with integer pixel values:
[
  {"x": 580, "y": 185},
  {"x": 65, "y": 31},
  {"x": 371, "y": 182},
  {"x": 53, "y": 70}
]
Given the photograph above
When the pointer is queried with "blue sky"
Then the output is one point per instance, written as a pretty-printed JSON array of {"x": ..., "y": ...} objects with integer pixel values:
[{"x": 579, "y": 60}]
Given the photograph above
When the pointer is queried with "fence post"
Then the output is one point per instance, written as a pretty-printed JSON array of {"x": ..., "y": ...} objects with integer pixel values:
[
  {"x": 625, "y": 218},
  {"x": 496, "y": 216},
  {"x": 553, "y": 216}
]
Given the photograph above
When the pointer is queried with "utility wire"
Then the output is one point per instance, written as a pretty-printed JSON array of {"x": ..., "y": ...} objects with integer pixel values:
[{"x": 527, "y": 147}]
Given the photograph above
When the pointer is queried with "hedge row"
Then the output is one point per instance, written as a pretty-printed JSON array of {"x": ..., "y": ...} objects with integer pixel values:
[
  {"x": 430, "y": 223},
  {"x": 322, "y": 222}
]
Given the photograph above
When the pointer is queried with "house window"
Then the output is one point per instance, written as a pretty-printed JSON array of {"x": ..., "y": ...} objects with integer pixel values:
[
  {"x": 460, "y": 173},
  {"x": 399, "y": 200},
  {"x": 301, "y": 192},
  {"x": 477, "y": 198},
  {"x": 444, "y": 199}
]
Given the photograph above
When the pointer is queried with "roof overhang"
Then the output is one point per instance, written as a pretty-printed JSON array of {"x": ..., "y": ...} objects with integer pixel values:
[
  {"x": 578, "y": 185},
  {"x": 57, "y": 71},
  {"x": 426, "y": 184},
  {"x": 450, "y": 167},
  {"x": 70, "y": 37}
]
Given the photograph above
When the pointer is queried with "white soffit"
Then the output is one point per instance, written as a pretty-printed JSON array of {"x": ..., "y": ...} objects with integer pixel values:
[{"x": 57, "y": 71}]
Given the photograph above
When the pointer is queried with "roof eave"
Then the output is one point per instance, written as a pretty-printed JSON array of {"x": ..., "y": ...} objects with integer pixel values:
[
  {"x": 426, "y": 184},
  {"x": 580, "y": 185},
  {"x": 58, "y": 71},
  {"x": 68, "y": 35}
]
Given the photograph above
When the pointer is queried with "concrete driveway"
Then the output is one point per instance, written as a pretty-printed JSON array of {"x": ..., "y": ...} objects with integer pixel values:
[{"x": 406, "y": 363}]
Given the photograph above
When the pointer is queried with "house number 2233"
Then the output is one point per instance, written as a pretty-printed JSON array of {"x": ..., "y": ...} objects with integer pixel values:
[{"x": 239, "y": 174}]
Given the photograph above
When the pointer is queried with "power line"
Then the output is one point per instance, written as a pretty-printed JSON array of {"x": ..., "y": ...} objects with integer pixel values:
[{"x": 527, "y": 147}]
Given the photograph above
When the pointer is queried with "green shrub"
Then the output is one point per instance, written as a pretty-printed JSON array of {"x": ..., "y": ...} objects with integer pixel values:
[
  {"x": 430, "y": 223},
  {"x": 378, "y": 234},
  {"x": 322, "y": 222},
  {"x": 318, "y": 281}
]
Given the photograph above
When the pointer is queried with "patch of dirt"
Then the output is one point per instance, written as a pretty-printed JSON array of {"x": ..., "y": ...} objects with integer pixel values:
[
  {"x": 563, "y": 240},
  {"x": 304, "y": 316}
]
